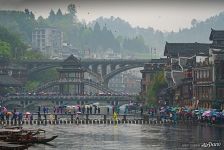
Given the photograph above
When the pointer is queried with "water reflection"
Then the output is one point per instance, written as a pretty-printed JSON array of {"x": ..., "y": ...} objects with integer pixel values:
[{"x": 128, "y": 137}]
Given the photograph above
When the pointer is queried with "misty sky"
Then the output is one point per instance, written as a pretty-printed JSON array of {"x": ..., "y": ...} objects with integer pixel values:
[{"x": 165, "y": 15}]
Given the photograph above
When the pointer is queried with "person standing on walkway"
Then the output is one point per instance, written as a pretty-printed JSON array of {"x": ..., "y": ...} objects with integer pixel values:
[
  {"x": 108, "y": 110},
  {"x": 38, "y": 108},
  {"x": 141, "y": 110},
  {"x": 90, "y": 109},
  {"x": 98, "y": 110}
]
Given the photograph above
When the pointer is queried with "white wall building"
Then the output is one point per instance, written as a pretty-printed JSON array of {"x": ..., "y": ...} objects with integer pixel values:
[{"x": 48, "y": 40}]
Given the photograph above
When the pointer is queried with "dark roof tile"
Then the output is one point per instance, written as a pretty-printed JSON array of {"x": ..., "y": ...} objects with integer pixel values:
[
  {"x": 216, "y": 35},
  {"x": 186, "y": 49}
]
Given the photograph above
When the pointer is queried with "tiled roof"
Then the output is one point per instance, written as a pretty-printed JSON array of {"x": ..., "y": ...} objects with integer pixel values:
[
  {"x": 6, "y": 80},
  {"x": 216, "y": 35},
  {"x": 186, "y": 49},
  {"x": 72, "y": 59}
]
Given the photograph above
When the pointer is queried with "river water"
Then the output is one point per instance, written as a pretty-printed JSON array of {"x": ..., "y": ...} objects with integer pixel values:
[{"x": 130, "y": 137}]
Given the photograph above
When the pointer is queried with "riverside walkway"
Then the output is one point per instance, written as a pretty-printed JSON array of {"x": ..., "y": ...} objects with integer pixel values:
[{"x": 60, "y": 119}]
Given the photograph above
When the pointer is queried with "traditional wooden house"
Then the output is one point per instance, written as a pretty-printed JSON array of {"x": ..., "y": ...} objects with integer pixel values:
[
  {"x": 182, "y": 58},
  {"x": 217, "y": 61}
]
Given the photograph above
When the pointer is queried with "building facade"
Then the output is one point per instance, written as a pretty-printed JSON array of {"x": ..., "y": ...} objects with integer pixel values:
[
  {"x": 47, "y": 40},
  {"x": 181, "y": 61},
  {"x": 71, "y": 77},
  {"x": 217, "y": 61},
  {"x": 196, "y": 72}
]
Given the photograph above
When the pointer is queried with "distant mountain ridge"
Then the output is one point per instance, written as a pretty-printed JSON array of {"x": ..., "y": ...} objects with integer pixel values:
[
  {"x": 109, "y": 33},
  {"x": 199, "y": 32}
]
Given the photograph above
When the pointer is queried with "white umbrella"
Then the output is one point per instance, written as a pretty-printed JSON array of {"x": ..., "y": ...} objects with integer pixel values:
[{"x": 27, "y": 113}]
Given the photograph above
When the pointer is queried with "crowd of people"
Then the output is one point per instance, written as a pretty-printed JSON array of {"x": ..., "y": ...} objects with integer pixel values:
[{"x": 211, "y": 116}]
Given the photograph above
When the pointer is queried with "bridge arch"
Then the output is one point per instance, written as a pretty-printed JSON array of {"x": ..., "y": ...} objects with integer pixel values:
[
  {"x": 85, "y": 81},
  {"x": 110, "y": 75},
  {"x": 41, "y": 68},
  {"x": 45, "y": 67}
]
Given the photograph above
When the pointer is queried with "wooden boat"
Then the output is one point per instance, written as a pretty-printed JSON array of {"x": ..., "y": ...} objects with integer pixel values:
[
  {"x": 35, "y": 140},
  {"x": 24, "y": 136}
]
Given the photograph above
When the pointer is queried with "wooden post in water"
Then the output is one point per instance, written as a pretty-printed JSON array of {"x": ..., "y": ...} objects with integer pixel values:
[{"x": 87, "y": 118}]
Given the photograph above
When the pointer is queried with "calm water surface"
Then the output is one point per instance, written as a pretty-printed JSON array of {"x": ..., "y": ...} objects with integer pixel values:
[{"x": 129, "y": 137}]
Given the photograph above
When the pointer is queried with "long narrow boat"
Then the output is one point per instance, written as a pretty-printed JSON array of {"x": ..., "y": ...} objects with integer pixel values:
[
  {"x": 25, "y": 136},
  {"x": 35, "y": 140}
]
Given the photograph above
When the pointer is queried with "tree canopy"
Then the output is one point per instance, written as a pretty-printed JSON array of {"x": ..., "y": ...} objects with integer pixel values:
[
  {"x": 5, "y": 50},
  {"x": 155, "y": 85},
  {"x": 74, "y": 32}
]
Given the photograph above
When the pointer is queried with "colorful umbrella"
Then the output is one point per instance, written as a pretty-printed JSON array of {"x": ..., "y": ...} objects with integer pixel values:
[{"x": 207, "y": 113}]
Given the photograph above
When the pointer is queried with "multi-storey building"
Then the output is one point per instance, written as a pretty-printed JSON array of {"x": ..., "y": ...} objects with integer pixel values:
[
  {"x": 181, "y": 59},
  {"x": 196, "y": 72},
  {"x": 217, "y": 61},
  {"x": 48, "y": 40}
]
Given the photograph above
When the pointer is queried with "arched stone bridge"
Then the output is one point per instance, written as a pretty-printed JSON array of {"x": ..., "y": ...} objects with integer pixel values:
[
  {"x": 102, "y": 69},
  {"x": 26, "y": 101},
  {"x": 85, "y": 81}
]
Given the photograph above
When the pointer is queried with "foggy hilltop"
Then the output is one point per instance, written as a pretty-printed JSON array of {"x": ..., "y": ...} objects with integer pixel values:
[{"x": 107, "y": 33}]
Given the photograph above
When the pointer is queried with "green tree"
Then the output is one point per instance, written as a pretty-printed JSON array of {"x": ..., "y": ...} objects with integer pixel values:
[
  {"x": 5, "y": 50},
  {"x": 59, "y": 13},
  {"x": 29, "y": 54},
  {"x": 155, "y": 86},
  {"x": 41, "y": 22},
  {"x": 31, "y": 85},
  {"x": 52, "y": 16},
  {"x": 16, "y": 45},
  {"x": 72, "y": 9}
]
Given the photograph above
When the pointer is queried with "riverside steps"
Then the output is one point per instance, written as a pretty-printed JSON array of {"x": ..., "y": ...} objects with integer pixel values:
[{"x": 62, "y": 119}]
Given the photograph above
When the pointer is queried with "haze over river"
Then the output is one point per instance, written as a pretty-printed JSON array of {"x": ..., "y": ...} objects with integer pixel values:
[{"x": 130, "y": 137}]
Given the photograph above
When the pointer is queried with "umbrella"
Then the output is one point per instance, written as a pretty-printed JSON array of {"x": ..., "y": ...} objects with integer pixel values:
[
  {"x": 27, "y": 113},
  {"x": 9, "y": 113},
  {"x": 16, "y": 113},
  {"x": 96, "y": 104},
  {"x": 207, "y": 113},
  {"x": 217, "y": 114},
  {"x": 4, "y": 109},
  {"x": 163, "y": 110}
]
